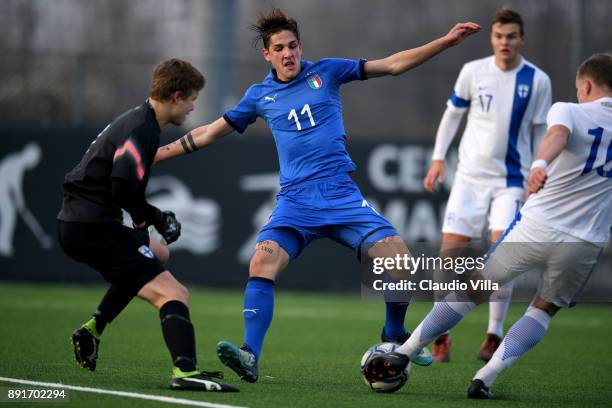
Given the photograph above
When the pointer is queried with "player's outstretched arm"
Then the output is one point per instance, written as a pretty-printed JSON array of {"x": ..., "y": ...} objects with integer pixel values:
[
  {"x": 403, "y": 61},
  {"x": 194, "y": 140},
  {"x": 552, "y": 145}
]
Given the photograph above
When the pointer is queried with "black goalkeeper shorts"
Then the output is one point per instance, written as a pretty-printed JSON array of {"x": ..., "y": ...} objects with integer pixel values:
[{"x": 121, "y": 254}]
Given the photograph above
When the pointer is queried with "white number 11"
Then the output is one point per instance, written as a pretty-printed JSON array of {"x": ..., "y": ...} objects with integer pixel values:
[{"x": 293, "y": 115}]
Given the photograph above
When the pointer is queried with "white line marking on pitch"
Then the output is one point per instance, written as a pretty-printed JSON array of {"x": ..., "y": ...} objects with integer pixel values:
[{"x": 170, "y": 400}]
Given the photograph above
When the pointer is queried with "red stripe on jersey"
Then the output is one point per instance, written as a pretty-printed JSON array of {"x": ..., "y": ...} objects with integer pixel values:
[{"x": 131, "y": 149}]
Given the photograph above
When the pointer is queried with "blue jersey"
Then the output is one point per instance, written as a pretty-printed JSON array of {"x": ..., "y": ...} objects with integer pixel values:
[{"x": 305, "y": 117}]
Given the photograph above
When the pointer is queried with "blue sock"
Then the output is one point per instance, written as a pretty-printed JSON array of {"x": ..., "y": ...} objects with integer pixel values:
[
  {"x": 396, "y": 307},
  {"x": 522, "y": 337},
  {"x": 258, "y": 311},
  {"x": 394, "y": 319},
  {"x": 441, "y": 318}
]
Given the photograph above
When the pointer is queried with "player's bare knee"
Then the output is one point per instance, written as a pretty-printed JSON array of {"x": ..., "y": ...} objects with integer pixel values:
[
  {"x": 183, "y": 294},
  {"x": 267, "y": 260},
  {"x": 261, "y": 266},
  {"x": 388, "y": 247},
  {"x": 175, "y": 291},
  {"x": 162, "y": 252},
  {"x": 162, "y": 289},
  {"x": 155, "y": 298},
  {"x": 163, "y": 255}
]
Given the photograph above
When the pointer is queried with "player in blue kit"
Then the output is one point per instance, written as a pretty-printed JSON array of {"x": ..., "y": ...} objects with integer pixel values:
[{"x": 300, "y": 102}]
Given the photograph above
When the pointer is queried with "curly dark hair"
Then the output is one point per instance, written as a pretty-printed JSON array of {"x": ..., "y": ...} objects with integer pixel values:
[{"x": 271, "y": 23}]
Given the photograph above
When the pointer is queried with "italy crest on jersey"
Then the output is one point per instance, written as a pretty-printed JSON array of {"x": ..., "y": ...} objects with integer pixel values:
[{"x": 314, "y": 81}]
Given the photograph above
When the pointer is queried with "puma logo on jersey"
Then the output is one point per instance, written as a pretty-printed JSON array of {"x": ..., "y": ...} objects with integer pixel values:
[
  {"x": 270, "y": 98},
  {"x": 254, "y": 311}
]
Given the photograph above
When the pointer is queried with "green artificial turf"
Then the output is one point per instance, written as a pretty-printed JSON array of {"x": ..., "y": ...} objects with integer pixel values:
[{"x": 311, "y": 355}]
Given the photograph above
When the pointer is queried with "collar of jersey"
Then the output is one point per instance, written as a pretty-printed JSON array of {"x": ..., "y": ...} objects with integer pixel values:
[
  {"x": 512, "y": 71},
  {"x": 150, "y": 111},
  {"x": 303, "y": 65}
]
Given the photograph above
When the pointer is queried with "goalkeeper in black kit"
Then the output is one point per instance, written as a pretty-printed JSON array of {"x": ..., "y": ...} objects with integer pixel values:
[{"x": 111, "y": 176}]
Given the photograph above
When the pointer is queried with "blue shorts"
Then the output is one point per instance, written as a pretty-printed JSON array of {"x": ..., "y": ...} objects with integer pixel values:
[{"x": 326, "y": 208}]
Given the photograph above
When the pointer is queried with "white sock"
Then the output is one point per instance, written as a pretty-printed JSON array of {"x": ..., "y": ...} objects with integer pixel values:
[
  {"x": 522, "y": 337},
  {"x": 498, "y": 308},
  {"x": 441, "y": 318}
]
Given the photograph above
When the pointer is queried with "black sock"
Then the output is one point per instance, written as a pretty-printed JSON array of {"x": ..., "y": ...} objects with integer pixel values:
[
  {"x": 114, "y": 301},
  {"x": 179, "y": 334}
]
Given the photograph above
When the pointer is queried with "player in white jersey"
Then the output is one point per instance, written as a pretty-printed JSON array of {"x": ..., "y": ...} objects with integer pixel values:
[
  {"x": 563, "y": 227},
  {"x": 507, "y": 98},
  {"x": 581, "y": 209}
]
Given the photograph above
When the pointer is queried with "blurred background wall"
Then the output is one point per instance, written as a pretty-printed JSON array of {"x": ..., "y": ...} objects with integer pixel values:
[
  {"x": 74, "y": 62},
  {"x": 70, "y": 66}
]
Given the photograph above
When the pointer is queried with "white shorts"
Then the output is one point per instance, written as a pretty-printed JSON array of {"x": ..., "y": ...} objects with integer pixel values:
[
  {"x": 565, "y": 263},
  {"x": 469, "y": 204}
]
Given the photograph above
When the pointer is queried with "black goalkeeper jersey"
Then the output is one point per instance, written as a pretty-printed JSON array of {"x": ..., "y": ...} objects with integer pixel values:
[{"x": 124, "y": 149}]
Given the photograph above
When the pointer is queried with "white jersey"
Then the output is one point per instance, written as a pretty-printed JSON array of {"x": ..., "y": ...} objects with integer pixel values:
[
  {"x": 496, "y": 147},
  {"x": 577, "y": 197}
]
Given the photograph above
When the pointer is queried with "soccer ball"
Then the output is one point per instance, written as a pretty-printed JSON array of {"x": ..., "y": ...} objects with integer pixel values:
[{"x": 388, "y": 384}]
